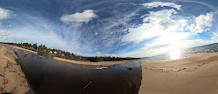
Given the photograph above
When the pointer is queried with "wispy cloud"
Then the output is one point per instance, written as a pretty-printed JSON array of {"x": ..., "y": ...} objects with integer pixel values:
[
  {"x": 215, "y": 37},
  {"x": 150, "y": 50},
  {"x": 161, "y": 4},
  {"x": 3, "y": 34},
  {"x": 37, "y": 29}
]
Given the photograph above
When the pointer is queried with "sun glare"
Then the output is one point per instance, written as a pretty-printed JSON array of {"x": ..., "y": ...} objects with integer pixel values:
[{"x": 174, "y": 55}]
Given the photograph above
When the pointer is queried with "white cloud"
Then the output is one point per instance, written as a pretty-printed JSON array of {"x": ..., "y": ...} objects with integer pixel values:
[
  {"x": 157, "y": 24},
  {"x": 202, "y": 23},
  {"x": 165, "y": 31},
  {"x": 99, "y": 53},
  {"x": 161, "y": 4},
  {"x": 162, "y": 32},
  {"x": 4, "y": 13},
  {"x": 78, "y": 17}
]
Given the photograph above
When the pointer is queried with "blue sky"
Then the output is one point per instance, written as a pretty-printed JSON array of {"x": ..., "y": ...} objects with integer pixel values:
[{"x": 138, "y": 28}]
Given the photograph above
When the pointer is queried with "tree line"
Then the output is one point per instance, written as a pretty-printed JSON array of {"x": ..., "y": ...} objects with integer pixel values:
[{"x": 65, "y": 54}]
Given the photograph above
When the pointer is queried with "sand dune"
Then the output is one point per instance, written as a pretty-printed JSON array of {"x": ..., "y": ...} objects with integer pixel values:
[
  {"x": 12, "y": 79},
  {"x": 196, "y": 74}
]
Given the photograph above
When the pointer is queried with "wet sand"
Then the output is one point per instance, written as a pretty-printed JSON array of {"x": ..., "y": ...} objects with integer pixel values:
[
  {"x": 12, "y": 79},
  {"x": 196, "y": 74}
]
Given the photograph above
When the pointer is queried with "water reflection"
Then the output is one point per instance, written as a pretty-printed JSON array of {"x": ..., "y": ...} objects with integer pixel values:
[
  {"x": 47, "y": 76},
  {"x": 175, "y": 55}
]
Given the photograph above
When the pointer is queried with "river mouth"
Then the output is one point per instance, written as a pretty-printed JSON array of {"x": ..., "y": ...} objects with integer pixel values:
[{"x": 48, "y": 76}]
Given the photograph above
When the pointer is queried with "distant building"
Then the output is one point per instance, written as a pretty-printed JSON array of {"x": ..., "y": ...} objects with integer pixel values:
[{"x": 55, "y": 52}]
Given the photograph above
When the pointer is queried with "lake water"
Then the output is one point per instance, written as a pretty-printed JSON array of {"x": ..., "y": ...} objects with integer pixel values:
[{"x": 48, "y": 76}]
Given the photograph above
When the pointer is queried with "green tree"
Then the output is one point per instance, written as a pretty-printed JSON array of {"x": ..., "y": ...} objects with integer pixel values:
[{"x": 35, "y": 46}]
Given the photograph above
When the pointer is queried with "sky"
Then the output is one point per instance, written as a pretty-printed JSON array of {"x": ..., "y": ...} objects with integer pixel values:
[{"x": 124, "y": 28}]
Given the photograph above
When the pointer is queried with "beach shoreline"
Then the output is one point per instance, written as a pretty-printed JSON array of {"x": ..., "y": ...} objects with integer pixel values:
[
  {"x": 197, "y": 74},
  {"x": 104, "y": 63},
  {"x": 12, "y": 78}
]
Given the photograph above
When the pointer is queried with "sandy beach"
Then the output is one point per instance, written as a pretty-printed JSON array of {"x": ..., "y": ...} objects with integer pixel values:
[
  {"x": 196, "y": 74},
  {"x": 12, "y": 79}
]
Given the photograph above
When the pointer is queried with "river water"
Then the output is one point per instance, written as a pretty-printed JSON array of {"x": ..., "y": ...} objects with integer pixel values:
[{"x": 48, "y": 76}]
